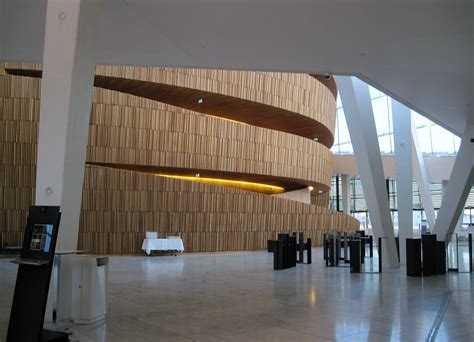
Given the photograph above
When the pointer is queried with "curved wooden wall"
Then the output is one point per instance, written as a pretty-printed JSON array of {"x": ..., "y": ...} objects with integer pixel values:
[
  {"x": 292, "y": 103},
  {"x": 119, "y": 206},
  {"x": 126, "y": 204},
  {"x": 173, "y": 139}
]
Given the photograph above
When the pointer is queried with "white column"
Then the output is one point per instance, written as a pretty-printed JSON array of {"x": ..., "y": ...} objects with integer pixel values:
[
  {"x": 66, "y": 94},
  {"x": 458, "y": 188},
  {"x": 444, "y": 185},
  {"x": 360, "y": 121},
  {"x": 403, "y": 164},
  {"x": 346, "y": 194},
  {"x": 419, "y": 171}
]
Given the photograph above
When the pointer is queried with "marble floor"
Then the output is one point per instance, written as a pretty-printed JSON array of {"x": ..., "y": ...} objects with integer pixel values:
[{"x": 238, "y": 297}]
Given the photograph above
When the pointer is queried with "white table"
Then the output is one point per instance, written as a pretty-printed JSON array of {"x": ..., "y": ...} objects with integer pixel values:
[{"x": 162, "y": 245}]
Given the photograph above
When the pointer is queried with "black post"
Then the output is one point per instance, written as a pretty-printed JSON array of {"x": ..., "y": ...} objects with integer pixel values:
[
  {"x": 301, "y": 248},
  {"x": 371, "y": 246},
  {"x": 292, "y": 251},
  {"x": 428, "y": 248},
  {"x": 332, "y": 251},
  {"x": 469, "y": 241},
  {"x": 278, "y": 255},
  {"x": 354, "y": 246},
  {"x": 413, "y": 250},
  {"x": 325, "y": 248},
  {"x": 337, "y": 194},
  {"x": 308, "y": 250}
]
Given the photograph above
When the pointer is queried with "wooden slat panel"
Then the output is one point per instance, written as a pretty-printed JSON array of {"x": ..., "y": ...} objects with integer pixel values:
[{"x": 119, "y": 206}]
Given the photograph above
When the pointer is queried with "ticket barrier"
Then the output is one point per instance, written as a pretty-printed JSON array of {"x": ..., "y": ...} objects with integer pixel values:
[
  {"x": 460, "y": 253},
  {"x": 349, "y": 248},
  {"x": 301, "y": 246},
  {"x": 284, "y": 251},
  {"x": 425, "y": 256},
  {"x": 34, "y": 274},
  {"x": 336, "y": 247},
  {"x": 288, "y": 251}
]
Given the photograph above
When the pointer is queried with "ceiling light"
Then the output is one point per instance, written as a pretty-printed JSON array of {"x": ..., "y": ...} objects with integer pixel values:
[
  {"x": 310, "y": 188},
  {"x": 197, "y": 174},
  {"x": 320, "y": 191},
  {"x": 316, "y": 139},
  {"x": 200, "y": 100}
]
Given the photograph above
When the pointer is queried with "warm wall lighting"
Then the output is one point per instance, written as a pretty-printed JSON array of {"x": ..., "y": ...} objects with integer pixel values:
[
  {"x": 227, "y": 119},
  {"x": 251, "y": 186}
]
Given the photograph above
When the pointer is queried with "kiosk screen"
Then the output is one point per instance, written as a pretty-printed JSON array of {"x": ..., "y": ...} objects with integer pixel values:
[{"x": 41, "y": 237}]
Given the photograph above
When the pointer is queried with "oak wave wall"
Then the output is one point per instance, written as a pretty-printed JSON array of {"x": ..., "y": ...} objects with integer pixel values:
[{"x": 119, "y": 206}]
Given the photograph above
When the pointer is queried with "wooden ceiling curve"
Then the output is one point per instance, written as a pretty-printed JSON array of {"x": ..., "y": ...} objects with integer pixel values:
[
  {"x": 288, "y": 184},
  {"x": 215, "y": 104}
]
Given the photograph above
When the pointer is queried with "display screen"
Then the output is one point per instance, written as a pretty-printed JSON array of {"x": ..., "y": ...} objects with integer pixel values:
[{"x": 41, "y": 237}]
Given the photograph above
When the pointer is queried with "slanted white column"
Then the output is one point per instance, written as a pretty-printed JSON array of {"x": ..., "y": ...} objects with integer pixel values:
[
  {"x": 419, "y": 171},
  {"x": 459, "y": 186},
  {"x": 66, "y": 93},
  {"x": 360, "y": 121},
  {"x": 346, "y": 194},
  {"x": 444, "y": 185},
  {"x": 403, "y": 164}
]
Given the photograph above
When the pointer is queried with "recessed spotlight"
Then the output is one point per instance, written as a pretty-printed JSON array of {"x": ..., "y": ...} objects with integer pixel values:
[
  {"x": 200, "y": 100},
  {"x": 320, "y": 191},
  {"x": 316, "y": 139},
  {"x": 310, "y": 188},
  {"x": 197, "y": 174}
]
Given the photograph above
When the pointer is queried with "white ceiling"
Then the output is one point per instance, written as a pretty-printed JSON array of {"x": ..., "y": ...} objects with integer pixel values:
[{"x": 418, "y": 51}]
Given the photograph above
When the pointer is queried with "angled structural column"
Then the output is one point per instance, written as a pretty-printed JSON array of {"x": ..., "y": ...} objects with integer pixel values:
[
  {"x": 360, "y": 121},
  {"x": 403, "y": 164},
  {"x": 421, "y": 177},
  {"x": 66, "y": 100},
  {"x": 346, "y": 194},
  {"x": 459, "y": 186}
]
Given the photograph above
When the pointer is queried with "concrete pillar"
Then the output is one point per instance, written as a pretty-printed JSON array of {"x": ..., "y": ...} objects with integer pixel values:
[
  {"x": 419, "y": 171},
  {"x": 346, "y": 194},
  {"x": 403, "y": 164},
  {"x": 66, "y": 95},
  {"x": 458, "y": 188},
  {"x": 66, "y": 100},
  {"x": 360, "y": 121}
]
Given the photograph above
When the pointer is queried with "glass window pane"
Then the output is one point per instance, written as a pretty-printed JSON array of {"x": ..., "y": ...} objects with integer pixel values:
[
  {"x": 374, "y": 92},
  {"x": 385, "y": 144},
  {"x": 344, "y": 136},
  {"x": 442, "y": 140},
  {"x": 381, "y": 117},
  {"x": 424, "y": 138}
]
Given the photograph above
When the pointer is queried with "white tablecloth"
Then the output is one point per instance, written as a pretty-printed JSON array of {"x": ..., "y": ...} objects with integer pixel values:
[{"x": 162, "y": 245}]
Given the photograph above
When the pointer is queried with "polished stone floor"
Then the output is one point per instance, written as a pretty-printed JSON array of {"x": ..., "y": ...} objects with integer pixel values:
[{"x": 238, "y": 297}]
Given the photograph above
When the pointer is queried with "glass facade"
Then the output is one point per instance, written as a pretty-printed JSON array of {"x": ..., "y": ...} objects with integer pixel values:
[
  {"x": 434, "y": 140},
  {"x": 359, "y": 207}
]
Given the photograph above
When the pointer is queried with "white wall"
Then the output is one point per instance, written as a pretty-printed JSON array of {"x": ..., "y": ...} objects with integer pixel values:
[
  {"x": 302, "y": 195},
  {"x": 438, "y": 168}
]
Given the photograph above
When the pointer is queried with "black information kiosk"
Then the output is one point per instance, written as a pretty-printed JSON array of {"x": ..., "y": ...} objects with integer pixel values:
[{"x": 34, "y": 273}]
